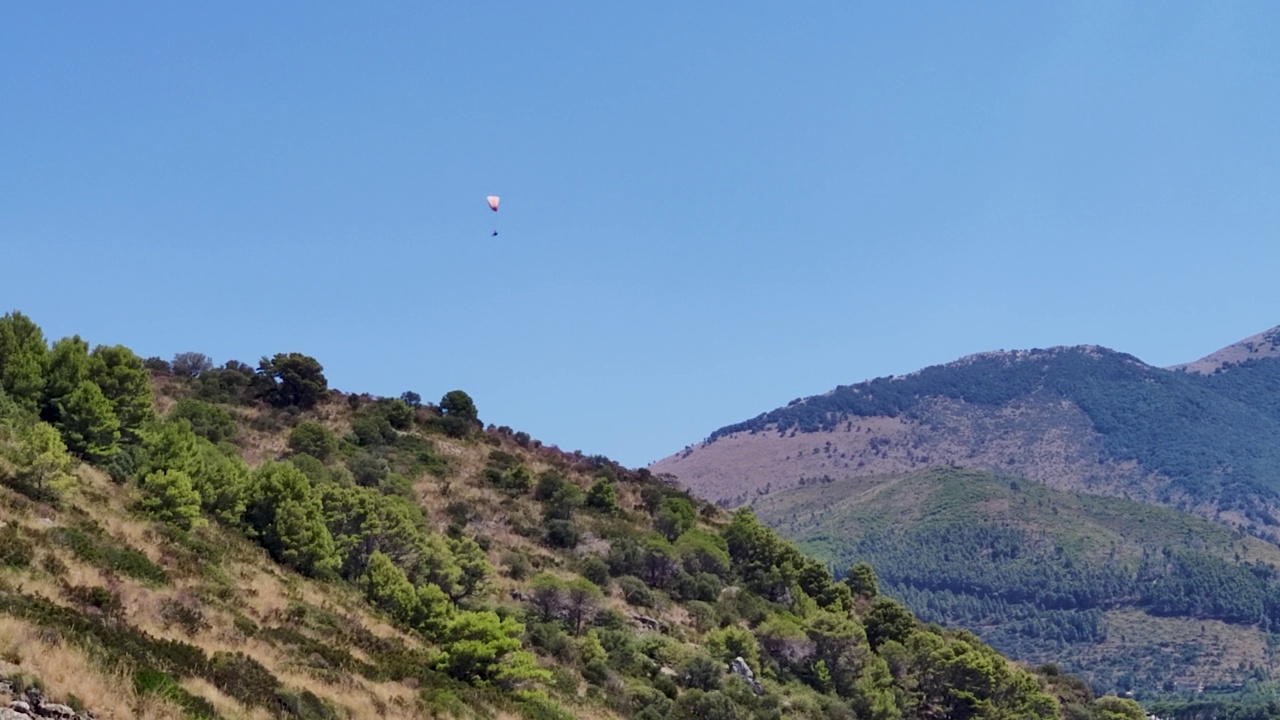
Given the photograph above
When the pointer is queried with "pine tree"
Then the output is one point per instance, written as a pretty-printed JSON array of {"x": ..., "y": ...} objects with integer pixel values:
[
  {"x": 24, "y": 360},
  {"x": 170, "y": 497},
  {"x": 127, "y": 384},
  {"x": 288, "y": 519},
  {"x": 88, "y": 423}
]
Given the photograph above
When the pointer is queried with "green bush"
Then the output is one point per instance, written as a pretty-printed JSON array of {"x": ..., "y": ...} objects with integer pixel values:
[
  {"x": 635, "y": 591},
  {"x": 314, "y": 439},
  {"x": 15, "y": 550},
  {"x": 243, "y": 678},
  {"x": 207, "y": 420},
  {"x": 91, "y": 544}
]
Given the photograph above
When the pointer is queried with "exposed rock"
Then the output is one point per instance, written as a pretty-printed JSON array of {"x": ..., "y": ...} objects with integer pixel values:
[
  {"x": 647, "y": 622},
  {"x": 7, "y": 714},
  {"x": 20, "y": 706},
  {"x": 740, "y": 668},
  {"x": 55, "y": 710},
  {"x": 35, "y": 696}
]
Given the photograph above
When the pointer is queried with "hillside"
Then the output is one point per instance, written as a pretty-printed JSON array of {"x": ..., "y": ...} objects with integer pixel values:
[
  {"x": 1264, "y": 345},
  {"x": 179, "y": 539},
  {"x": 1074, "y": 418},
  {"x": 1129, "y": 596}
]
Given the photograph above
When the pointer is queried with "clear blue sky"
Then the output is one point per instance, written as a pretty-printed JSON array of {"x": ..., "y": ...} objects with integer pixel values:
[{"x": 708, "y": 208}]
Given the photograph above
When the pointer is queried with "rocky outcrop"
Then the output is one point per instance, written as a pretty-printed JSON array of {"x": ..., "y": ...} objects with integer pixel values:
[
  {"x": 31, "y": 705},
  {"x": 740, "y": 668}
]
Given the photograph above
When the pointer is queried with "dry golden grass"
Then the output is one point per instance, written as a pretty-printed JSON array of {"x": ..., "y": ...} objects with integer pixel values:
[
  {"x": 226, "y": 706},
  {"x": 65, "y": 671}
]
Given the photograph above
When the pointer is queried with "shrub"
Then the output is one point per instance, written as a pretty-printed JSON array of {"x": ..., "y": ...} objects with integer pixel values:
[
  {"x": 207, "y": 420},
  {"x": 595, "y": 569},
  {"x": 635, "y": 591},
  {"x": 314, "y": 439},
  {"x": 15, "y": 550},
  {"x": 562, "y": 534},
  {"x": 185, "y": 613},
  {"x": 603, "y": 496},
  {"x": 243, "y": 678},
  {"x": 91, "y": 544},
  {"x": 517, "y": 564}
]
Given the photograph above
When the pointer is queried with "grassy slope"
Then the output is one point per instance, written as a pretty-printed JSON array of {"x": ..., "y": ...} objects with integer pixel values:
[
  {"x": 830, "y": 520},
  {"x": 116, "y": 612}
]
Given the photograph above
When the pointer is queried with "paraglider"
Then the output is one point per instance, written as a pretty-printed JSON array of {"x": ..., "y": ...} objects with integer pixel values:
[{"x": 493, "y": 205}]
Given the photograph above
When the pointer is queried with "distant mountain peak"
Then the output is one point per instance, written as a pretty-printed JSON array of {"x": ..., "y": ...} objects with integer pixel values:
[{"x": 1255, "y": 347}]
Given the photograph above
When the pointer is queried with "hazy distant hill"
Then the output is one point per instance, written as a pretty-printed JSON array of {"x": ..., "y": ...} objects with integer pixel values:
[
  {"x": 1127, "y": 595},
  {"x": 1074, "y": 418}
]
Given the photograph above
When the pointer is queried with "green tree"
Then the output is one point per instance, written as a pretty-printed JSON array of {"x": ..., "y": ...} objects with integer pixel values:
[
  {"x": 172, "y": 445},
  {"x": 1114, "y": 708},
  {"x": 604, "y": 497},
  {"x": 68, "y": 368},
  {"x": 222, "y": 481},
  {"x": 674, "y": 517},
  {"x": 862, "y": 581},
  {"x": 386, "y": 586},
  {"x": 170, "y": 497},
  {"x": 89, "y": 424},
  {"x": 207, "y": 420},
  {"x": 314, "y": 439},
  {"x": 398, "y": 413},
  {"x": 727, "y": 643},
  {"x": 547, "y": 596},
  {"x": 484, "y": 649},
  {"x": 33, "y": 458},
  {"x": 123, "y": 379},
  {"x": 24, "y": 359},
  {"x": 291, "y": 380},
  {"x": 458, "y": 404},
  {"x": 887, "y": 620},
  {"x": 702, "y": 552},
  {"x": 873, "y": 695},
  {"x": 474, "y": 567},
  {"x": 582, "y": 601},
  {"x": 288, "y": 519}
]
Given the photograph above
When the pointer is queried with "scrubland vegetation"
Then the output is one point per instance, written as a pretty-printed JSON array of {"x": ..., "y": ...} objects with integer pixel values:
[{"x": 185, "y": 539}]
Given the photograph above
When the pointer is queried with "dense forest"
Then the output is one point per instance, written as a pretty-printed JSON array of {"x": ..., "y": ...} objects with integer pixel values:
[
  {"x": 1042, "y": 574},
  {"x": 185, "y": 539},
  {"x": 1214, "y": 437}
]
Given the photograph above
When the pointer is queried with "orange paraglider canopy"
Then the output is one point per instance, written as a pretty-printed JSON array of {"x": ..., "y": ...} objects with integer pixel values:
[{"x": 493, "y": 202}]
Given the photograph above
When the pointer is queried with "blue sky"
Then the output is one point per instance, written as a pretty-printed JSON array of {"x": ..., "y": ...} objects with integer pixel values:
[{"x": 708, "y": 208}]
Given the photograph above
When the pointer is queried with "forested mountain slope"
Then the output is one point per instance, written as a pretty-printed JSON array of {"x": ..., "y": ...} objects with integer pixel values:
[
  {"x": 1074, "y": 418},
  {"x": 1132, "y": 597},
  {"x": 179, "y": 539}
]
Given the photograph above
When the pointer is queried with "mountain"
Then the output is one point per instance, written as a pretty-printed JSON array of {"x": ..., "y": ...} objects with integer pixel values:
[
  {"x": 1071, "y": 502},
  {"x": 179, "y": 539},
  {"x": 1074, "y": 418},
  {"x": 1131, "y": 596},
  {"x": 1265, "y": 344}
]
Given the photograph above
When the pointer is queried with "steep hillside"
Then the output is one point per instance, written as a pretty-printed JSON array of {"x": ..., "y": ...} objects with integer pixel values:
[
  {"x": 184, "y": 540},
  {"x": 1264, "y": 345},
  {"x": 1079, "y": 418},
  {"x": 1129, "y": 596}
]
